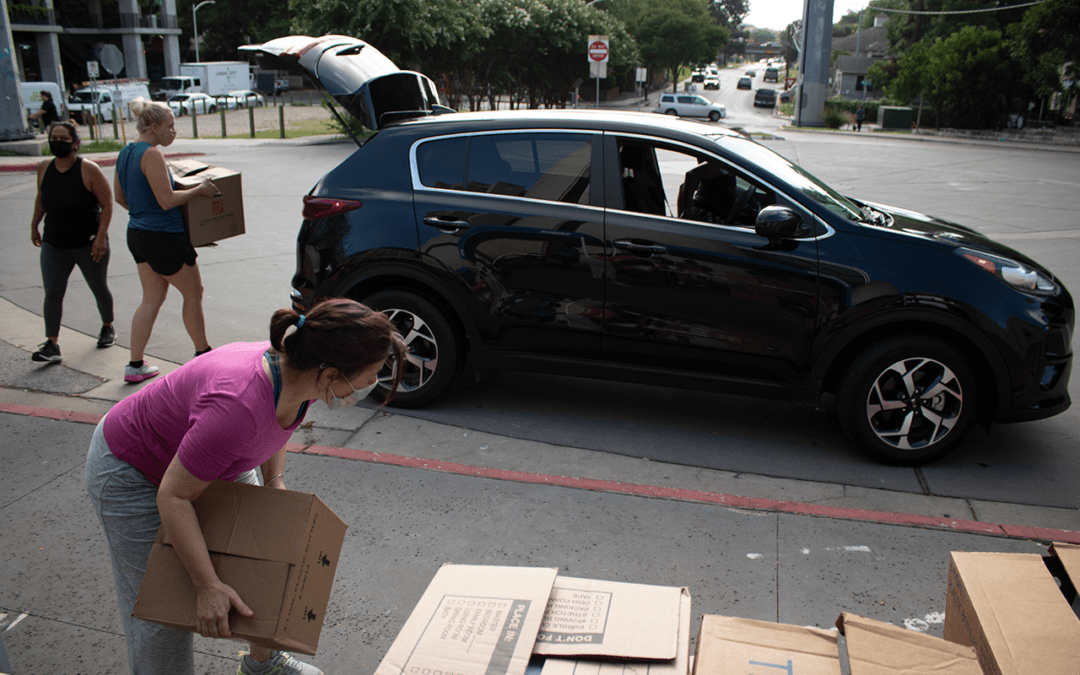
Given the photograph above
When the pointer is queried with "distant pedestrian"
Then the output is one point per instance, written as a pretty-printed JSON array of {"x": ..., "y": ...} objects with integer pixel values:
[
  {"x": 860, "y": 114},
  {"x": 155, "y": 235},
  {"x": 47, "y": 111},
  {"x": 75, "y": 201},
  {"x": 221, "y": 417}
]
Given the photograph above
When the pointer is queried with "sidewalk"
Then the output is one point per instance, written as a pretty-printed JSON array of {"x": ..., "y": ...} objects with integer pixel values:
[{"x": 417, "y": 494}]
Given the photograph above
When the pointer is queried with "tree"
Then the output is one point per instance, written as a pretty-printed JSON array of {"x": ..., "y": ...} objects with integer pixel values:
[
  {"x": 672, "y": 33},
  {"x": 228, "y": 24},
  {"x": 729, "y": 13},
  {"x": 1046, "y": 44},
  {"x": 966, "y": 77}
]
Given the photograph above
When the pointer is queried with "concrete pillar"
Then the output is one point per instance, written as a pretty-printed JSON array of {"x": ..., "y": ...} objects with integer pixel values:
[
  {"x": 12, "y": 116},
  {"x": 48, "y": 49},
  {"x": 171, "y": 42},
  {"x": 132, "y": 44},
  {"x": 814, "y": 63}
]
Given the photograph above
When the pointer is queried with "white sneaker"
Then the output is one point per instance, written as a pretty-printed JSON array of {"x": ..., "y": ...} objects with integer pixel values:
[
  {"x": 145, "y": 372},
  {"x": 281, "y": 663}
]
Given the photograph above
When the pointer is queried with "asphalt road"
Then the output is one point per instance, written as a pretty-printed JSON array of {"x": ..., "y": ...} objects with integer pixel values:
[{"x": 1026, "y": 198}]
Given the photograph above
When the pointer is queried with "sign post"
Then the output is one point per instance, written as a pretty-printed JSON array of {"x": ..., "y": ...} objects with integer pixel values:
[{"x": 598, "y": 58}]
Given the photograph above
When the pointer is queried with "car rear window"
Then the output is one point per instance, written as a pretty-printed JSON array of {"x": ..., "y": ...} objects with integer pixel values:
[{"x": 553, "y": 167}]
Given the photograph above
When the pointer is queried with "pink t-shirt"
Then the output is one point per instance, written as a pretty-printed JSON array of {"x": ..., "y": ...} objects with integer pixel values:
[{"x": 215, "y": 412}]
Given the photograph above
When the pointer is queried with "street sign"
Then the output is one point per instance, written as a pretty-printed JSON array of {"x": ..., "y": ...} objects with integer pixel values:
[
  {"x": 111, "y": 59},
  {"x": 92, "y": 69},
  {"x": 598, "y": 49}
]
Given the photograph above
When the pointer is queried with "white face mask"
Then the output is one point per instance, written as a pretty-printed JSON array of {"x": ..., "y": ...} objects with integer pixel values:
[{"x": 357, "y": 395}]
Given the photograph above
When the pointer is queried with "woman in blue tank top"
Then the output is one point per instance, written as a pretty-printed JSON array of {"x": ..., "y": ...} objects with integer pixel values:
[{"x": 156, "y": 236}]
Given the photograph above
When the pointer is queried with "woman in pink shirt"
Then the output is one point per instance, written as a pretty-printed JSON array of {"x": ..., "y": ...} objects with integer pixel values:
[{"x": 220, "y": 417}]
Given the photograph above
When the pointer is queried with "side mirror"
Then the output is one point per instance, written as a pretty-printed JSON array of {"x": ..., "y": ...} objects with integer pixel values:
[{"x": 779, "y": 222}]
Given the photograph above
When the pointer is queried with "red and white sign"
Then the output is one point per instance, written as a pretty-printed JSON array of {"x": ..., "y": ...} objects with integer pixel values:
[{"x": 598, "y": 49}]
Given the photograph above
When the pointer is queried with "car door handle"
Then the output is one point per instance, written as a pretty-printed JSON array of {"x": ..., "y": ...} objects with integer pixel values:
[
  {"x": 640, "y": 247},
  {"x": 447, "y": 225}
]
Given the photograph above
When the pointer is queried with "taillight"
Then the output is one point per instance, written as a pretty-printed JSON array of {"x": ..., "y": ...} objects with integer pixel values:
[{"x": 324, "y": 207}]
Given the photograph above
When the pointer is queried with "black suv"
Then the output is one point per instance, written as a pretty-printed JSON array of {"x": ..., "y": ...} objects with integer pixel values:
[
  {"x": 765, "y": 97},
  {"x": 643, "y": 248}
]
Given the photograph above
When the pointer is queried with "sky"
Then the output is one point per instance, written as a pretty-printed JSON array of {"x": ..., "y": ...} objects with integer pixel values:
[{"x": 777, "y": 14}]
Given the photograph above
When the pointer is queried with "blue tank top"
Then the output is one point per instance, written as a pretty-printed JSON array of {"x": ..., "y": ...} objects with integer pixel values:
[{"x": 143, "y": 208}]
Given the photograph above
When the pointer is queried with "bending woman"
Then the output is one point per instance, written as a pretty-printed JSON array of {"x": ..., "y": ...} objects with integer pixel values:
[
  {"x": 75, "y": 200},
  {"x": 219, "y": 417},
  {"x": 156, "y": 236}
]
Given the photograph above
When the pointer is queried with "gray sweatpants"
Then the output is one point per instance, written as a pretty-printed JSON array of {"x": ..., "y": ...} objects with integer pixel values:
[{"x": 126, "y": 504}]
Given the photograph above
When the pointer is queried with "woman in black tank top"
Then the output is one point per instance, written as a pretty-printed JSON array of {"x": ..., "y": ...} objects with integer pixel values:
[{"x": 75, "y": 200}]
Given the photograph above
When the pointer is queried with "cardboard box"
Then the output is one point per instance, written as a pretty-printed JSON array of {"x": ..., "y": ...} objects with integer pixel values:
[
  {"x": 473, "y": 620},
  {"x": 1009, "y": 607},
  {"x": 209, "y": 220},
  {"x": 587, "y": 617},
  {"x": 277, "y": 548},
  {"x": 732, "y": 646},
  {"x": 878, "y": 648},
  {"x": 680, "y": 665}
]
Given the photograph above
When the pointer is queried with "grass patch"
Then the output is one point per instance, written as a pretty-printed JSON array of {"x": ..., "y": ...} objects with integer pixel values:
[
  {"x": 12, "y": 153},
  {"x": 101, "y": 145},
  {"x": 292, "y": 130},
  {"x": 786, "y": 109}
]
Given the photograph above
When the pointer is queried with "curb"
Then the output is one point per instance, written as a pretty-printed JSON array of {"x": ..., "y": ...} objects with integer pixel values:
[{"x": 1042, "y": 534}]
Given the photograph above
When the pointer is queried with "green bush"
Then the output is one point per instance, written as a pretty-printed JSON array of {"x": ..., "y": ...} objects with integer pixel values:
[
  {"x": 834, "y": 119},
  {"x": 842, "y": 105},
  {"x": 101, "y": 145}
]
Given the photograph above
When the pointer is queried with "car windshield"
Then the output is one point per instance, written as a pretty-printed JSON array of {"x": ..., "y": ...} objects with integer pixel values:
[
  {"x": 82, "y": 97},
  {"x": 792, "y": 174},
  {"x": 179, "y": 97}
]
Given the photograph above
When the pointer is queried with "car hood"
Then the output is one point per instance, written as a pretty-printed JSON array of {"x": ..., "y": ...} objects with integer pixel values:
[
  {"x": 917, "y": 224},
  {"x": 359, "y": 77}
]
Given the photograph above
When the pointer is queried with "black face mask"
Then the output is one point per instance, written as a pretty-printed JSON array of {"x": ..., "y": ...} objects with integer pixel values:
[{"x": 60, "y": 148}]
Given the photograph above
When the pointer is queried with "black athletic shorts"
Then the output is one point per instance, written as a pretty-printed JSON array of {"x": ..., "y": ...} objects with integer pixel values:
[{"x": 165, "y": 252}]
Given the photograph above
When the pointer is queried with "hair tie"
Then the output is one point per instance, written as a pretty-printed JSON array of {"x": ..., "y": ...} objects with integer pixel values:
[{"x": 301, "y": 321}]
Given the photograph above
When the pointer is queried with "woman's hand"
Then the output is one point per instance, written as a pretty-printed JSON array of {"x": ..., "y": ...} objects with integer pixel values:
[
  {"x": 208, "y": 189},
  {"x": 99, "y": 248},
  {"x": 35, "y": 235},
  {"x": 212, "y": 605}
]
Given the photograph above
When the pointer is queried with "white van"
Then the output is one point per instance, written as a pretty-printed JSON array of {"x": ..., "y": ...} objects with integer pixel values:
[
  {"x": 31, "y": 97},
  {"x": 101, "y": 97}
]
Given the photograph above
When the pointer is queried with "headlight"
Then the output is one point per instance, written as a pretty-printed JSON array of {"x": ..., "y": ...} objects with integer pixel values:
[{"x": 1017, "y": 275}]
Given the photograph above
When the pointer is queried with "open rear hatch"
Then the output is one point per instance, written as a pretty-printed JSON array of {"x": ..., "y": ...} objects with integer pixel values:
[{"x": 356, "y": 75}]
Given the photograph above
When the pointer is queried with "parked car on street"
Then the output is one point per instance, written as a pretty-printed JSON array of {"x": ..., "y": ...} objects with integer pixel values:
[
  {"x": 185, "y": 104},
  {"x": 765, "y": 98},
  {"x": 712, "y": 82},
  {"x": 698, "y": 75},
  {"x": 786, "y": 95},
  {"x": 668, "y": 252},
  {"x": 246, "y": 98},
  {"x": 690, "y": 105},
  {"x": 745, "y": 83}
]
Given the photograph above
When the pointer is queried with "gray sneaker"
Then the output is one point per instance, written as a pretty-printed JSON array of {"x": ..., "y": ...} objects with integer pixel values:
[
  {"x": 144, "y": 372},
  {"x": 281, "y": 663}
]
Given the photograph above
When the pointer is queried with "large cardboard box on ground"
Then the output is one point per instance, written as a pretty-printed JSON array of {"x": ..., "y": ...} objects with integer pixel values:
[
  {"x": 277, "y": 548},
  {"x": 733, "y": 646},
  {"x": 1009, "y": 607},
  {"x": 209, "y": 220}
]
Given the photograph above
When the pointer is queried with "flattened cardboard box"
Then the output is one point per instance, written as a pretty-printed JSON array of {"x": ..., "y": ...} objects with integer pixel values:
[
  {"x": 610, "y": 619},
  {"x": 680, "y": 665},
  {"x": 472, "y": 620},
  {"x": 277, "y": 548},
  {"x": 210, "y": 220},
  {"x": 878, "y": 648},
  {"x": 1010, "y": 609},
  {"x": 732, "y": 646}
]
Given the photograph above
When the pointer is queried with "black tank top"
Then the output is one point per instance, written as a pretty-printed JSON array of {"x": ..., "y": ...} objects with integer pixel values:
[{"x": 72, "y": 213}]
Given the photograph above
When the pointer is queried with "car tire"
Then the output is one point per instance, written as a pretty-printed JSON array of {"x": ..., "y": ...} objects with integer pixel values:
[
  {"x": 670, "y": 111},
  {"x": 434, "y": 355},
  {"x": 880, "y": 404},
  {"x": 213, "y": 109},
  {"x": 714, "y": 116}
]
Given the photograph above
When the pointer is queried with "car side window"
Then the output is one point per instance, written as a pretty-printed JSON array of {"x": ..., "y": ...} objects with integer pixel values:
[
  {"x": 686, "y": 99},
  {"x": 661, "y": 180},
  {"x": 441, "y": 163},
  {"x": 553, "y": 167}
]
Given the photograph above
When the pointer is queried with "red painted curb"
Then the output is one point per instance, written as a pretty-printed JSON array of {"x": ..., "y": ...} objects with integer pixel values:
[{"x": 595, "y": 485}]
